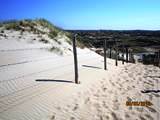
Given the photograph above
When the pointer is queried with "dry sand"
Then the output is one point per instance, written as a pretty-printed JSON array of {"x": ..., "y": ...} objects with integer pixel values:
[{"x": 101, "y": 95}]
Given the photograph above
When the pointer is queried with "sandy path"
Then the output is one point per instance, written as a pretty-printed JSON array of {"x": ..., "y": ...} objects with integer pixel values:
[
  {"x": 19, "y": 90},
  {"x": 105, "y": 100},
  {"x": 102, "y": 95}
]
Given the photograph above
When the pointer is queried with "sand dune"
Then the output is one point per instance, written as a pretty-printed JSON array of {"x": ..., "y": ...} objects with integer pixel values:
[
  {"x": 100, "y": 96},
  {"x": 39, "y": 85}
]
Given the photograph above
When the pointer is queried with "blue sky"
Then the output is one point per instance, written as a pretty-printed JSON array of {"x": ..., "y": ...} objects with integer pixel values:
[{"x": 87, "y": 14}]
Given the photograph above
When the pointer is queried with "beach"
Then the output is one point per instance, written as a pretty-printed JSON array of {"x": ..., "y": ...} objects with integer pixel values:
[
  {"x": 101, "y": 95},
  {"x": 38, "y": 84}
]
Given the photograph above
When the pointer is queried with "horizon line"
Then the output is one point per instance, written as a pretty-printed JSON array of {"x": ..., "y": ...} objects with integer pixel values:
[{"x": 111, "y": 29}]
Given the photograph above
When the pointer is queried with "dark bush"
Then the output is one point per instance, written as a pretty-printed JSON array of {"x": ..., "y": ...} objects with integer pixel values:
[{"x": 44, "y": 41}]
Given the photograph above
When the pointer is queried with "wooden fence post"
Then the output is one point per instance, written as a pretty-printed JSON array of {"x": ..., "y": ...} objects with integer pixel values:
[
  {"x": 123, "y": 55},
  {"x": 105, "y": 59},
  {"x": 129, "y": 55},
  {"x": 116, "y": 60},
  {"x": 126, "y": 55},
  {"x": 159, "y": 58},
  {"x": 75, "y": 59},
  {"x": 132, "y": 56},
  {"x": 110, "y": 52},
  {"x": 155, "y": 61}
]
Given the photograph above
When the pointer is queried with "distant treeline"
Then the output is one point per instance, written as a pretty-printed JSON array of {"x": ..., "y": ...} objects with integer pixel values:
[{"x": 137, "y": 39}]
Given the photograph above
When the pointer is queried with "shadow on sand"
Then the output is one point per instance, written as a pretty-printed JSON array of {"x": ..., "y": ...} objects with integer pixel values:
[
  {"x": 91, "y": 66},
  {"x": 150, "y": 91},
  {"x": 50, "y": 80},
  {"x": 153, "y": 76}
]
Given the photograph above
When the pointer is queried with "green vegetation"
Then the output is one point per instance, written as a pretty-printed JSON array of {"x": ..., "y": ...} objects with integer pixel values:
[
  {"x": 31, "y": 26},
  {"x": 52, "y": 34},
  {"x": 44, "y": 40},
  {"x": 47, "y": 28},
  {"x": 56, "y": 49},
  {"x": 12, "y": 25},
  {"x": 2, "y": 31},
  {"x": 137, "y": 39},
  {"x": 1, "y": 24},
  {"x": 40, "y": 27},
  {"x": 83, "y": 42},
  {"x": 139, "y": 50},
  {"x": 45, "y": 23}
]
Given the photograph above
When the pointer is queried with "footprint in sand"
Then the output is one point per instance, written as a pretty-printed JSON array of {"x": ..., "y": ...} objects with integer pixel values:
[
  {"x": 106, "y": 117},
  {"x": 149, "y": 117},
  {"x": 104, "y": 104},
  {"x": 53, "y": 117},
  {"x": 112, "y": 83},
  {"x": 142, "y": 118},
  {"x": 130, "y": 75},
  {"x": 72, "y": 118},
  {"x": 138, "y": 74},
  {"x": 115, "y": 106},
  {"x": 120, "y": 88},
  {"x": 104, "y": 88},
  {"x": 129, "y": 99},
  {"x": 151, "y": 109},
  {"x": 133, "y": 86},
  {"x": 127, "y": 81},
  {"x": 103, "y": 117},
  {"x": 150, "y": 97},
  {"x": 126, "y": 69},
  {"x": 87, "y": 100},
  {"x": 58, "y": 108},
  {"x": 97, "y": 106},
  {"x": 110, "y": 91},
  {"x": 75, "y": 107},
  {"x": 156, "y": 95},
  {"x": 129, "y": 88},
  {"x": 114, "y": 116},
  {"x": 148, "y": 83},
  {"x": 124, "y": 77},
  {"x": 119, "y": 84},
  {"x": 127, "y": 116}
]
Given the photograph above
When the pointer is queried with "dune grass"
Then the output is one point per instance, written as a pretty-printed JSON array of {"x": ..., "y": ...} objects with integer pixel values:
[{"x": 30, "y": 25}]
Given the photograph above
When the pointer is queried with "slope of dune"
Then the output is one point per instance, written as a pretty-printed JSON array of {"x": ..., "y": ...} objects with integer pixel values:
[{"x": 37, "y": 82}]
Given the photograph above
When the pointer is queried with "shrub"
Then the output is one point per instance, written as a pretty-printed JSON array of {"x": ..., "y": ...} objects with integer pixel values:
[
  {"x": 47, "y": 24},
  {"x": 14, "y": 26},
  {"x": 58, "y": 41},
  {"x": 82, "y": 43},
  {"x": 44, "y": 40},
  {"x": 56, "y": 49},
  {"x": 2, "y": 31},
  {"x": 52, "y": 34},
  {"x": 1, "y": 25}
]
